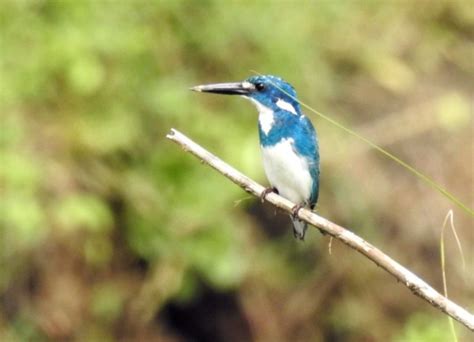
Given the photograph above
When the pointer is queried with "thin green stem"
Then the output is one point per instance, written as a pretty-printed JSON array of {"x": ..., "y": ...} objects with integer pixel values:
[{"x": 443, "y": 266}]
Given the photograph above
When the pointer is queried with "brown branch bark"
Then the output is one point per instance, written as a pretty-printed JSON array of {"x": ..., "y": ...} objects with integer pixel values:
[{"x": 418, "y": 286}]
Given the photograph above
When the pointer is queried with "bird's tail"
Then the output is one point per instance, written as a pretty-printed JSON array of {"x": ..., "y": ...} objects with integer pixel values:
[{"x": 299, "y": 228}]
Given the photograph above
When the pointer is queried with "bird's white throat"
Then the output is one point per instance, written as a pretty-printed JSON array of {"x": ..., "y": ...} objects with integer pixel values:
[{"x": 265, "y": 116}]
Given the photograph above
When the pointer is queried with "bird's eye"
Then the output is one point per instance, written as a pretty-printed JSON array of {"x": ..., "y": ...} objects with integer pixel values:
[{"x": 260, "y": 86}]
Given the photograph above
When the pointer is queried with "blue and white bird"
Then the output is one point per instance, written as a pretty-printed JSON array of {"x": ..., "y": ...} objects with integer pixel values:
[{"x": 288, "y": 140}]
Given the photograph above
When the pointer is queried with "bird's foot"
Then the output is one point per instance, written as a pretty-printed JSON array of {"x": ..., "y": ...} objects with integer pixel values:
[
  {"x": 296, "y": 209},
  {"x": 267, "y": 191}
]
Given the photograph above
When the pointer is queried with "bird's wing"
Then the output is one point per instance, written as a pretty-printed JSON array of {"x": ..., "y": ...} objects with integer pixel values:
[{"x": 310, "y": 150}]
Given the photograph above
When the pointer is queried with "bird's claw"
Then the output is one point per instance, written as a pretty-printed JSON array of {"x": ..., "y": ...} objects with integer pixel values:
[
  {"x": 295, "y": 210},
  {"x": 266, "y": 192}
]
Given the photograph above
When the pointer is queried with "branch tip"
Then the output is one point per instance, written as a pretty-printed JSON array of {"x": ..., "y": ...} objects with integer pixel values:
[{"x": 171, "y": 134}]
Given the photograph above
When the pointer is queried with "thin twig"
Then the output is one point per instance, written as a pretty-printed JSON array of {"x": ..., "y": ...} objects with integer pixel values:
[{"x": 418, "y": 286}]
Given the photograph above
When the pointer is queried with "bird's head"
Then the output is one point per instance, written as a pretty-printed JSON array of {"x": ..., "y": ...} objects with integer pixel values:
[{"x": 264, "y": 90}]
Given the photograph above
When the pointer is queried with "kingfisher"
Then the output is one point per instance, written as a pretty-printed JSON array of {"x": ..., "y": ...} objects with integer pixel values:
[{"x": 288, "y": 140}]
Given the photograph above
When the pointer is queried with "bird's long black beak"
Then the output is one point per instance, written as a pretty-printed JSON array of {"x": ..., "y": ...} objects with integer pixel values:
[{"x": 237, "y": 88}]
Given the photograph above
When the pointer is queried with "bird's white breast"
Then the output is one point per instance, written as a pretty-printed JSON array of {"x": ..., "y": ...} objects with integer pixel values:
[{"x": 287, "y": 171}]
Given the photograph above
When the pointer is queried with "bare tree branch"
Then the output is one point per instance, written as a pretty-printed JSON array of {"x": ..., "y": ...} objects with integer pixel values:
[{"x": 403, "y": 275}]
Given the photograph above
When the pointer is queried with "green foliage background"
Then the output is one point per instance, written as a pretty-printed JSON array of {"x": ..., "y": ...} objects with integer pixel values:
[{"x": 105, "y": 225}]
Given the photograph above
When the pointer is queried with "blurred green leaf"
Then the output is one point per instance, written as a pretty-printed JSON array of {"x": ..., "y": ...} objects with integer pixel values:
[
  {"x": 86, "y": 75},
  {"x": 83, "y": 211},
  {"x": 23, "y": 222},
  {"x": 453, "y": 111},
  {"x": 422, "y": 327},
  {"x": 106, "y": 302}
]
